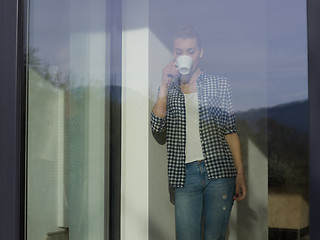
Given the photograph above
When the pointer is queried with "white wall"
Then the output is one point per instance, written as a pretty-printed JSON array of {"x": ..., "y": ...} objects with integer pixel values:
[
  {"x": 134, "y": 179},
  {"x": 45, "y": 148},
  {"x": 249, "y": 218},
  {"x": 161, "y": 211}
]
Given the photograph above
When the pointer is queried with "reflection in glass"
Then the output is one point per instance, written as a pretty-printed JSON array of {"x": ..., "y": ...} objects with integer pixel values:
[
  {"x": 234, "y": 39},
  {"x": 66, "y": 160},
  {"x": 287, "y": 120},
  {"x": 261, "y": 47}
]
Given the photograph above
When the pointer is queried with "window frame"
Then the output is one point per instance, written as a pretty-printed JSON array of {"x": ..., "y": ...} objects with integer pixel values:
[{"x": 13, "y": 108}]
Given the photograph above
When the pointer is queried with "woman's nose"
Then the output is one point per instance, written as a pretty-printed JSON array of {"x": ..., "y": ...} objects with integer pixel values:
[{"x": 186, "y": 53}]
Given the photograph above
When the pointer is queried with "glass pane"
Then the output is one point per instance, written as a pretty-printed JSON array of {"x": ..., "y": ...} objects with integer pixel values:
[
  {"x": 67, "y": 159},
  {"x": 288, "y": 119},
  {"x": 234, "y": 38},
  {"x": 261, "y": 48}
]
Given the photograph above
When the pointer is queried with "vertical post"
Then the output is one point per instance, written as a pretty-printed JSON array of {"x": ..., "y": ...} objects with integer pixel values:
[
  {"x": 135, "y": 121},
  {"x": 12, "y": 121},
  {"x": 314, "y": 113},
  {"x": 114, "y": 118}
]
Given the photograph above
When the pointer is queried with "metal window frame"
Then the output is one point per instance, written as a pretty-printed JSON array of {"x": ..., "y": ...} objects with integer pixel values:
[
  {"x": 114, "y": 44},
  {"x": 313, "y": 22},
  {"x": 12, "y": 123}
]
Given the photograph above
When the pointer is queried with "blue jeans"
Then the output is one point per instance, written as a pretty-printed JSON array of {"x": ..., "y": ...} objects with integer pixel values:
[{"x": 203, "y": 199}]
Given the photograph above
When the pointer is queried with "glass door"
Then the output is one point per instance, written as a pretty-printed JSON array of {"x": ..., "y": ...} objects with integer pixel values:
[{"x": 68, "y": 109}]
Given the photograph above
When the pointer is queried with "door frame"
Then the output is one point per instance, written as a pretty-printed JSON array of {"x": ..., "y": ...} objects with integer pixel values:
[
  {"x": 13, "y": 109},
  {"x": 13, "y": 118}
]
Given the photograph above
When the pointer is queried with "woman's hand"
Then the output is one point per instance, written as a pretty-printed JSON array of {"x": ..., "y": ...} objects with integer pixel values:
[
  {"x": 169, "y": 72},
  {"x": 241, "y": 188}
]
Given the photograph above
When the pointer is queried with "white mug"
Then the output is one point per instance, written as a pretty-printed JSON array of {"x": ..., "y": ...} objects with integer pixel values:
[{"x": 184, "y": 64}]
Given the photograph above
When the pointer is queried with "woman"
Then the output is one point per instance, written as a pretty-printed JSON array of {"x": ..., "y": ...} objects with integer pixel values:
[{"x": 203, "y": 148}]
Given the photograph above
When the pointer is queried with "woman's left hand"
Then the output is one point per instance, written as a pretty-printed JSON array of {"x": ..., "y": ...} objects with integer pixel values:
[{"x": 241, "y": 188}]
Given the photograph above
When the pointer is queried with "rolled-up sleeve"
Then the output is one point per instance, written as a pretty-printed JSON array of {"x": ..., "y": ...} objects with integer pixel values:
[
  {"x": 230, "y": 126},
  {"x": 157, "y": 123}
]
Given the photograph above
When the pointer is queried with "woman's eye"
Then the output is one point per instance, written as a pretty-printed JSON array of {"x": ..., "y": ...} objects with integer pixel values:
[
  {"x": 178, "y": 53},
  {"x": 191, "y": 52}
]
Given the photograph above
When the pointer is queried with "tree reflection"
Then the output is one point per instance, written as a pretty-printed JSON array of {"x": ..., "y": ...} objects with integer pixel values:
[
  {"x": 53, "y": 74},
  {"x": 285, "y": 145}
]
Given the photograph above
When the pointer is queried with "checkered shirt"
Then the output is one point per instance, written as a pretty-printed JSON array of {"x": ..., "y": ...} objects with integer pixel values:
[{"x": 216, "y": 119}]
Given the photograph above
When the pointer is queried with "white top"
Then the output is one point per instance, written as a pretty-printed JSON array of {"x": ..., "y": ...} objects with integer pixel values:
[{"x": 193, "y": 144}]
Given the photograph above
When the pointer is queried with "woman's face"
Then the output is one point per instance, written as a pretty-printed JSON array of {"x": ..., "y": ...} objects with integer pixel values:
[{"x": 190, "y": 47}]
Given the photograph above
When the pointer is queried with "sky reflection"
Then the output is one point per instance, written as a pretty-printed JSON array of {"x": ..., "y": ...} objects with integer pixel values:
[{"x": 260, "y": 46}]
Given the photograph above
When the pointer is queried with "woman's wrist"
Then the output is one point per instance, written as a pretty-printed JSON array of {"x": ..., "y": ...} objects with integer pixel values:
[
  {"x": 163, "y": 90},
  {"x": 164, "y": 85},
  {"x": 240, "y": 173}
]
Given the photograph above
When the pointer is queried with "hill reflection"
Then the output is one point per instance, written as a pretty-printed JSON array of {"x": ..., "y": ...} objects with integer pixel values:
[{"x": 281, "y": 134}]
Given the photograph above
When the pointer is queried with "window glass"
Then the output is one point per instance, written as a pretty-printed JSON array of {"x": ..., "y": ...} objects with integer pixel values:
[
  {"x": 67, "y": 124},
  {"x": 261, "y": 48}
]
